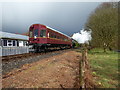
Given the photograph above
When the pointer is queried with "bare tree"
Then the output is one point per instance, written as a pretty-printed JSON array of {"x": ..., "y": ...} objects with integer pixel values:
[{"x": 104, "y": 25}]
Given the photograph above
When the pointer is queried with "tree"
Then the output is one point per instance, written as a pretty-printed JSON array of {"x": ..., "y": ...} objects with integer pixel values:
[{"x": 104, "y": 25}]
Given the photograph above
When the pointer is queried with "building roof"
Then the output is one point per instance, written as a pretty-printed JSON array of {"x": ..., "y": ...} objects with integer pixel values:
[{"x": 13, "y": 36}]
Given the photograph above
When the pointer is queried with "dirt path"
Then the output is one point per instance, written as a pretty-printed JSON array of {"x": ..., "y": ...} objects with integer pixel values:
[{"x": 60, "y": 71}]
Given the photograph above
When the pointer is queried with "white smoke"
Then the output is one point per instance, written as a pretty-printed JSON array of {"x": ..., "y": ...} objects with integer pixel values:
[{"x": 82, "y": 36}]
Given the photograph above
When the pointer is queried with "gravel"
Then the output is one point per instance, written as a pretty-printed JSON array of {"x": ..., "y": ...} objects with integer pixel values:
[{"x": 17, "y": 63}]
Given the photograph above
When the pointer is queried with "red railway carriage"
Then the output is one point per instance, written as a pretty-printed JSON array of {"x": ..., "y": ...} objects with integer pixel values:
[{"x": 42, "y": 37}]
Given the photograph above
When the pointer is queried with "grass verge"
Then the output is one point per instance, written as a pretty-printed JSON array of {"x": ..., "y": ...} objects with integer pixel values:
[{"x": 104, "y": 67}]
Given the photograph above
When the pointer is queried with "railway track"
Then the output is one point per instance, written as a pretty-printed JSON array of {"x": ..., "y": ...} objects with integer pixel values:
[
  {"x": 25, "y": 55},
  {"x": 11, "y": 57},
  {"x": 16, "y": 61}
]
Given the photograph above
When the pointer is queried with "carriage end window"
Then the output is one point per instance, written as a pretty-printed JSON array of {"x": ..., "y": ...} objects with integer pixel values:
[
  {"x": 36, "y": 32},
  {"x": 31, "y": 33}
]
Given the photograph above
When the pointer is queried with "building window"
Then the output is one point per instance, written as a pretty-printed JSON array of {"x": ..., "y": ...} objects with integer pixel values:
[
  {"x": 0, "y": 42},
  {"x": 25, "y": 43},
  {"x": 17, "y": 43},
  {"x": 9, "y": 43},
  {"x": 14, "y": 43},
  {"x": 20, "y": 43},
  {"x": 4, "y": 42}
]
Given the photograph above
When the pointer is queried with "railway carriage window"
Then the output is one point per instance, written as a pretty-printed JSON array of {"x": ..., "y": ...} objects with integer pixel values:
[
  {"x": 36, "y": 32},
  {"x": 31, "y": 34},
  {"x": 61, "y": 38},
  {"x": 54, "y": 36},
  {"x": 51, "y": 35},
  {"x": 43, "y": 33}
]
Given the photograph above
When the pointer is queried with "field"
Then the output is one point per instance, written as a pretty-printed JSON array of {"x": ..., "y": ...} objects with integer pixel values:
[
  {"x": 104, "y": 68},
  {"x": 62, "y": 71}
]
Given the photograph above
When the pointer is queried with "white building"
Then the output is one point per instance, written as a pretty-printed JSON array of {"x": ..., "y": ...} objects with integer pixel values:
[{"x": 11, "y": 44}]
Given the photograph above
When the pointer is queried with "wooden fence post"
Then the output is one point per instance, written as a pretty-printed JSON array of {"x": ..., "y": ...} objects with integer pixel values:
[{"x": 83, "y": 64}]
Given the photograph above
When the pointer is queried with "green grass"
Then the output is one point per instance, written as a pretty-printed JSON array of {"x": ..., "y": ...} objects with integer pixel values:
[{"x": 104, "y": 67}]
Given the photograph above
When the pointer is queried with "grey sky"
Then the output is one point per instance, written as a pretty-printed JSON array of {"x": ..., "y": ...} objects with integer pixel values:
[{"x": 67, "y": 17}]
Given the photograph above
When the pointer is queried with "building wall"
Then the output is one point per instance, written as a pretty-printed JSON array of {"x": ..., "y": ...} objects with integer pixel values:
[
  {"x": 13, "y": 47},
  {"x": 11, "y": 44},
  {"x": 0, "y": 51},
  {"x": 14, "y": 50}
]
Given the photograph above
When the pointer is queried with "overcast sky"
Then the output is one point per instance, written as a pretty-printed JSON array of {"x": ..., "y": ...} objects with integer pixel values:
[{"x": 67, "y": 17}]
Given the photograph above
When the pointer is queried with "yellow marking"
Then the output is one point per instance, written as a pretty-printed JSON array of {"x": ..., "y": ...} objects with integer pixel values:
[{"x": 51, "y": 38}]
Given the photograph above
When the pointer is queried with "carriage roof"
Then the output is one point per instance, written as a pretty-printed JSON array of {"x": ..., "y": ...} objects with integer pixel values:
[{"x": 58, "y": 31}]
